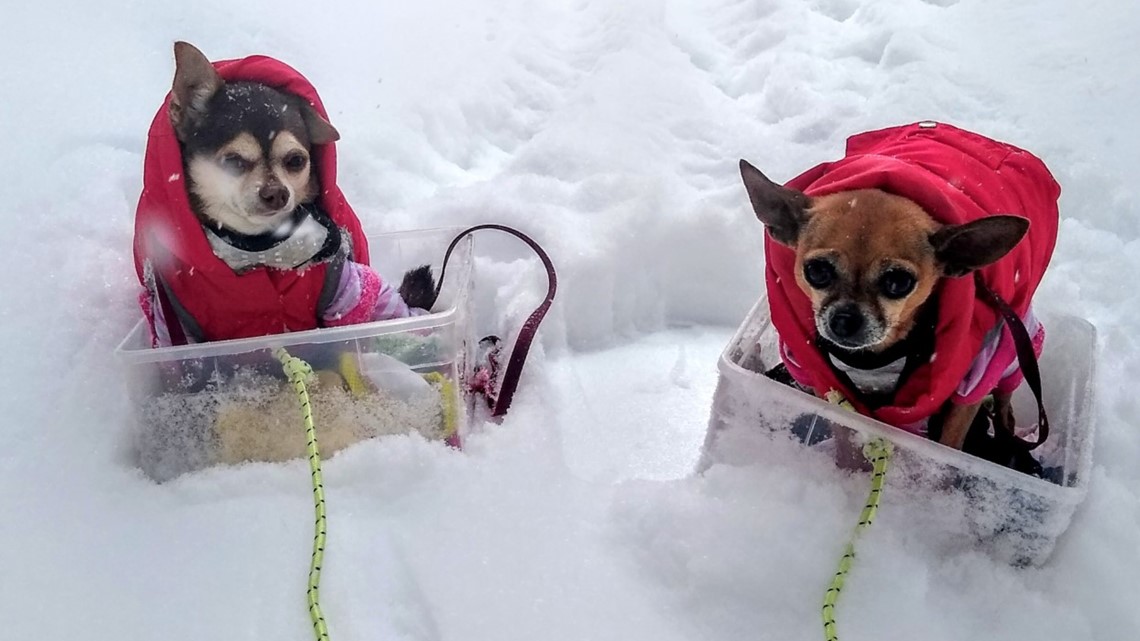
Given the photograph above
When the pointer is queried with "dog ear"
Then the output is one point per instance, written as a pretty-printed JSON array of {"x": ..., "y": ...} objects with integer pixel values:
[
  {"x": 320, "y": 130},
  {"x": 783, "y": 211},
  {"x": 195, "y": 82},
  {"x": 961, "y": 249}
]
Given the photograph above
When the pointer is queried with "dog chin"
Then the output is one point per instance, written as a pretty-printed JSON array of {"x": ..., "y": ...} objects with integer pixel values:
[
  {"x": 252, "y": 224},
  {"x": 863, "y": 343}
]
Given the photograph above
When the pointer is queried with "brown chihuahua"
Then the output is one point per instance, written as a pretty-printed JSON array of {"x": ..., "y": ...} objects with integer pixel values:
[{"x": 869, "y": 261}]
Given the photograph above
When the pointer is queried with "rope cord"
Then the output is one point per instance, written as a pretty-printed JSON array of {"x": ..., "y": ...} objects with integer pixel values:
[
  {"x": 297, "y": 371},
  {"x": 878, "y": 451}
]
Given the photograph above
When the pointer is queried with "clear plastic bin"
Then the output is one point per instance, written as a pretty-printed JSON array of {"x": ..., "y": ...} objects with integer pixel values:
[
  {"x": 228, "y": 402},
  {"x": 1014, "y": 516}
]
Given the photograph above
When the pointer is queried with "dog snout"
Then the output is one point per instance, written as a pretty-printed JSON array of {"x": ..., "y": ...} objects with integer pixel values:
[
  {"x": 846, "y": 321},
  {"x": 273, "y": 196}
]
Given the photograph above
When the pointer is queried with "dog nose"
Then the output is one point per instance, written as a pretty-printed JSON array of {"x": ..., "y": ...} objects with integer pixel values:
[
  {"x": 846, "y": 321},
  {"x": 274, "y": 195}
]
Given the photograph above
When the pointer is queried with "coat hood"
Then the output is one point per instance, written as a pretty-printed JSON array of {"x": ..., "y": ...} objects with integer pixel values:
[{"x": 165, "y": 225}]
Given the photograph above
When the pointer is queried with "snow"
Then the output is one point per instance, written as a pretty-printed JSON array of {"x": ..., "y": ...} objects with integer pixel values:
[{"x": 611, "y": 131}]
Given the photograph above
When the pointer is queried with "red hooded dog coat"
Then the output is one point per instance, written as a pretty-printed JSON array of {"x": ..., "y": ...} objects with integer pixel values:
[
  {"x": 956, "y": 176},
  {"x": 213, "y": 302}
]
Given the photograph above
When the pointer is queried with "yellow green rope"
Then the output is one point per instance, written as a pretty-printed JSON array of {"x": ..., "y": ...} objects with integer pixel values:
[
  {"x": 297, "y": 371},
  {"x": 450, "y": 407},
  {"x": 878, "y": 451}
]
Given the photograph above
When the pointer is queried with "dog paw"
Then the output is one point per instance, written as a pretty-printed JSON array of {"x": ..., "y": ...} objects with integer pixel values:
[{"x": 418, "y": 288}]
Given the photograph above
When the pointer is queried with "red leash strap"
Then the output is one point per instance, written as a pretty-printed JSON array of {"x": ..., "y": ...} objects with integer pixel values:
[
  {"x": 1026, "y": 357},
  {"x": 510, "y": 378}
]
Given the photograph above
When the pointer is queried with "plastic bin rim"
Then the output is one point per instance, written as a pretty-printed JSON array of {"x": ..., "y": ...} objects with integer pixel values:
[
  {"x": 131, "y": 356},
  {"x": 907, "y": 440},
  {"x": 319, "y": 335}
]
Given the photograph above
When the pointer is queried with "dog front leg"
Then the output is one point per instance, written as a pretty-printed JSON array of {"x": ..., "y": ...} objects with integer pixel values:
[
  {"x": 1003, "y": 412},
  {"x": 956, "y": 422}
]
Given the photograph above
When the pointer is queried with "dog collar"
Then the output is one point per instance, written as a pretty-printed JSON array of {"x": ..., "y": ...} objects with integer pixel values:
[
  {"x": 313, "y": 237},
  {"x": 882, "y": 374},
  {"x": 266, "y": 241}
]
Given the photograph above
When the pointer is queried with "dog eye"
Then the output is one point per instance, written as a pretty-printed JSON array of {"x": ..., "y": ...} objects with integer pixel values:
[
  {"x": 896, "y": 283},
  {"x": 295, "y": 162},
  {"x": 819, "y": 273},
  {"x": 235, "y": 163}
]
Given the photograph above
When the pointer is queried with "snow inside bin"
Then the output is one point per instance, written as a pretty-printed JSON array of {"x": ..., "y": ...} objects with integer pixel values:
[
  {"x": 1013, "y": 516},
  {"x": 227, "y": 401}
]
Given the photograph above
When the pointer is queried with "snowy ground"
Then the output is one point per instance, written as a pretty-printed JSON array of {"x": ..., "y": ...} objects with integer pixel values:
[{"x": 611, "y": 131}]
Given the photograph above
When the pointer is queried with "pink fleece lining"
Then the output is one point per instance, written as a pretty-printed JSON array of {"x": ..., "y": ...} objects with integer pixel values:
[
  {"x": 996, "y": 367},
  {"x": 356, "y": 298},
  {"x": 148, "y": 314}
]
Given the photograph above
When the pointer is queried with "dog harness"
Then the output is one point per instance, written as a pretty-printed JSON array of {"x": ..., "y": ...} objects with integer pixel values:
[
  {"x": 204, "y": 287},
  {"x": 956, "y": 176}
]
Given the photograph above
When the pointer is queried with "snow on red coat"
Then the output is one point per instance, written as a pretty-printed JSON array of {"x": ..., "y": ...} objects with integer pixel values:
[
  {"x": 956, "y": 176},
  {"x": 169, "y": 238}
]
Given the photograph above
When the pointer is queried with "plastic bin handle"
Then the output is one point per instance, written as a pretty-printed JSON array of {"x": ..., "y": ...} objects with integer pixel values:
[{"x": 511, "y": 375}]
